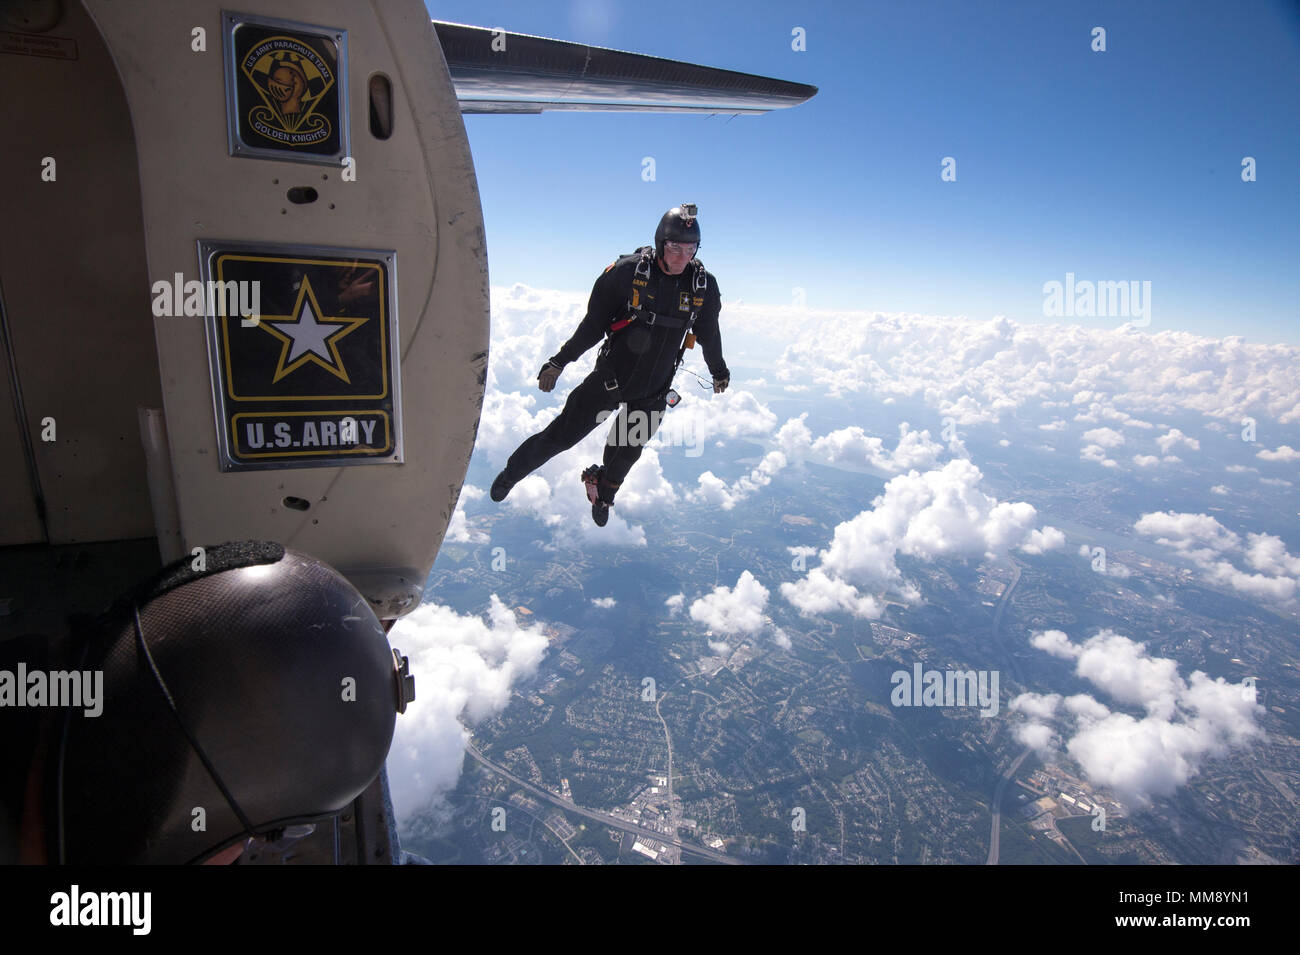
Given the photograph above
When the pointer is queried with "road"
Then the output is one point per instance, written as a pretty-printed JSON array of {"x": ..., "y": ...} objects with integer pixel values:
[
  {"x": 998, "y": 790},
  {"x": 672, "y": 806},
  {"x": 601, "y": 817},
  {"x": 996, "y": 829},
  {"x": 997, "y": 623}
]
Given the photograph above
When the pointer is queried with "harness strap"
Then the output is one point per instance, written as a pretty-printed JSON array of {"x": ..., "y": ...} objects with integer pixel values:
[
  {"x": 700, "y": 284},
  {"x": 642, "y": 272},
  {"x": 651, "y": 318},
  {"x": 688, "y": 341}
]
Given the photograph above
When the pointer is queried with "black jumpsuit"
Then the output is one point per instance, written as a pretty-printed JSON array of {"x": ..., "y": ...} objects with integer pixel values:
[{"x": 633, "y": 369}]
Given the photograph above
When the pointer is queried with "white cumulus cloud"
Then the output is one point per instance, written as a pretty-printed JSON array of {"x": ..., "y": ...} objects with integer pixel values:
[
  {"x": 1106, "y": 437},
  {"x": 914, "y": 449},
  {"x": 1173, "y": 438},
  {"x": 464, "y": 669},
  {"x": 936, "y": 514},
  {"x": 1284, "y": 453},
  {"x": 713, "y": 490},
  {"x": 1183, "y": 724},
  {"x": 732, "y": 611},
  {"x": 1209, "y": 545}
]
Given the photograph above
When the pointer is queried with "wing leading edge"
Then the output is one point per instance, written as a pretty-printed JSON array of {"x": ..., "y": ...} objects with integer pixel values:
[{"x": 500, "y": 72}]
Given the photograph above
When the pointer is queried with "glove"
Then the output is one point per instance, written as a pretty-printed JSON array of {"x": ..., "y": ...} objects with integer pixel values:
[
  {"x": 547, "y": 377},
  {"x": 720, "y": 384}
]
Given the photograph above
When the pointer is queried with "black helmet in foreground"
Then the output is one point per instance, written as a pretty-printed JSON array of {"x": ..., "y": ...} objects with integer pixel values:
[
  {"x": 679, "y": 224},
  {"x": 257, "y": 693}
]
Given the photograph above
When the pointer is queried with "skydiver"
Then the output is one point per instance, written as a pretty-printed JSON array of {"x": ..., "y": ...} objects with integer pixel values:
[{"x": 651, "y": 307}]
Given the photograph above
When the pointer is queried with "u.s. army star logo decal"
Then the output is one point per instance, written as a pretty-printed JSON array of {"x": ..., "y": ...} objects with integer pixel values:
[{"x": 307, "y": 336}]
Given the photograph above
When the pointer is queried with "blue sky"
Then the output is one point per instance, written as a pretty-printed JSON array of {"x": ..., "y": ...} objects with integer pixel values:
[{"x": 1115, "y": 166}]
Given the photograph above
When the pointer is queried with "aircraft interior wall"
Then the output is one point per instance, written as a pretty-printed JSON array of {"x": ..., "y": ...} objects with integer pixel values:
[{"x": 72, "y": 268}]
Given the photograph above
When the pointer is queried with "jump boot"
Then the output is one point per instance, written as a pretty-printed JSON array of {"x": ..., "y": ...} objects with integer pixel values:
[
  {"x": 501, "y": 487},
  {"x": 600, "y": 492}
]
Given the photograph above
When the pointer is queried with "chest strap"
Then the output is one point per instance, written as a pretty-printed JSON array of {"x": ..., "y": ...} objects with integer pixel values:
[{"x": 649, "y": 316}]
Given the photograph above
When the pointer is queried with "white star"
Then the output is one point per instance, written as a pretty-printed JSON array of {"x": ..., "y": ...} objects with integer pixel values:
[{"x": 308, "y": 334}]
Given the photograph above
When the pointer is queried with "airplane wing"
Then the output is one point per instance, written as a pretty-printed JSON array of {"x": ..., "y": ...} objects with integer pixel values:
[{"x": 495, "y": 71}]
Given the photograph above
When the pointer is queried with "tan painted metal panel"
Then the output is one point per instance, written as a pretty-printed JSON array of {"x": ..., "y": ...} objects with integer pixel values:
[{"x": 416, "y": 193}]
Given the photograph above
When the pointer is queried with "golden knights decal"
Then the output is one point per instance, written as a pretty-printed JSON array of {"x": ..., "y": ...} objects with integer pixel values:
[
  {"x": 311, "y": 379},
  {"x": 286, "y": 90}
]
